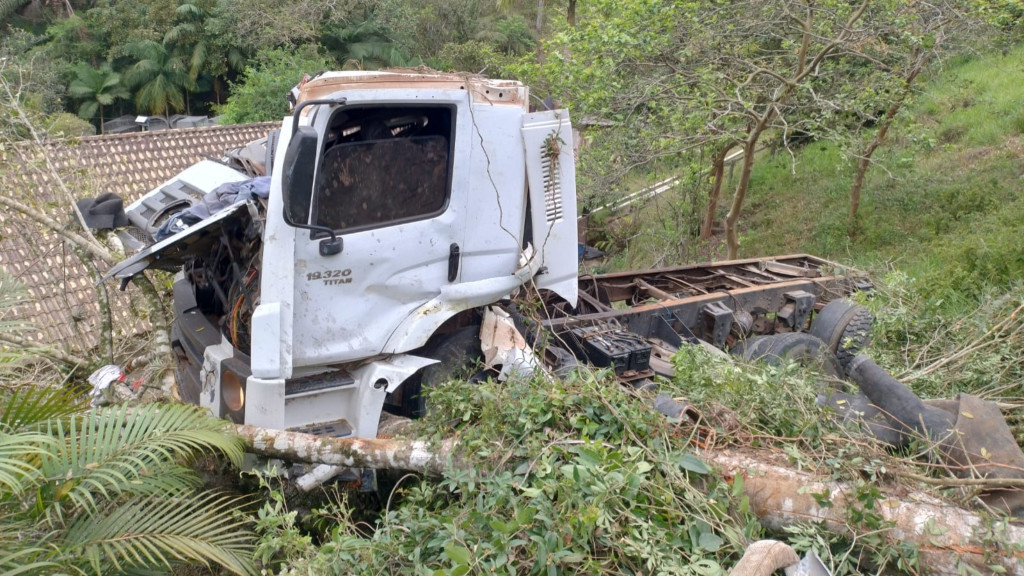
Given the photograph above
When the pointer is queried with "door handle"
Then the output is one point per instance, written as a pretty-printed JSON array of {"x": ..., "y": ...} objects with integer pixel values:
[{"x": 454, "y": 256}]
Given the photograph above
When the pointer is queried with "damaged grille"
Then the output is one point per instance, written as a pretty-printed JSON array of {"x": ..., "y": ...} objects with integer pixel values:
[{"x": 552, "y": 188}]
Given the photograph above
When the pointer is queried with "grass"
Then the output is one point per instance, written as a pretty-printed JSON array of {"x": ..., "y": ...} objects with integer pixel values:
[
  {"x": 945, "y": 190},
  {"x": 943, "y": 202}
]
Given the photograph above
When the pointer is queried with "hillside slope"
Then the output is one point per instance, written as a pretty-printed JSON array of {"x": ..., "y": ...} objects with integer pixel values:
[{"x": 944, "y": 201}]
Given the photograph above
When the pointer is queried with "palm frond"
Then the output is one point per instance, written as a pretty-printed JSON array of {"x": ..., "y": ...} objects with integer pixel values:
[
  {"x": 198, "y": 59},
  {"x": 161, "y": 93},
  {"x": 144, "y": 50},
  {"x": 178, "y": 32},
  {"x": 20, "y": 454},
  {"x": 79, "y": 89},
  {"x": 23, "y": 549},
  {"x": 161, "y": 530},
  {"x": 236, "y": 58},
  {"x": 8, "y": 7},
  {"x": 28, "y": 408},
  {"x": 110, "y": 80},
  {"x": 189, "y": 10},
  {"x": 25, "y": 560},
  {"x": 128, "y": 449},
  {"x": 88, "y": 109}
]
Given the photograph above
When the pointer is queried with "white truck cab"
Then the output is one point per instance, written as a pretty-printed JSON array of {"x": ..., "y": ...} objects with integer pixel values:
[{"x": 399, "y": 202}]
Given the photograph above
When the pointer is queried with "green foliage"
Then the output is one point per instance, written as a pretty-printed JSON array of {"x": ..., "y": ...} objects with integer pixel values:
[
  {"x": 510, "y": 35},
  {"x": 90, "y": 491},
  {"x": 8, "y": 7},
  {"x": 188, "y": 38},
  {"x": 1006, "y": 14},
  {"x": 72, "y": 41},
  {"x": 104, "y": 490},
  {"x": 363, "y": 44},
  {"x": 30, "y": 85},
  {"x": 280, "y": 535},
  {"x": 947, "y": 210},
  {"x": 472, "y": 56},
  {"x": 254, "y": 25},
  {"x": 570, "y": 477},
  {"x": 940, "y": 230},
  {"x": 117, "y": 25},
  {"x": 423, "y": 28},
  {"x": 96, "y": 87},
  {"x": 915, "y": 329},
  {"x": 768, "y": 400},
  {"x": 260, "y": 93},
  {"x": 159, "y": 78},
  {"x": 11, "y": 294}
]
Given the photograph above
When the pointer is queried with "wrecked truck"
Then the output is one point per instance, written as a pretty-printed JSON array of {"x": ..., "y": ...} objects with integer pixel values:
[{"x": 407, "y": 218}]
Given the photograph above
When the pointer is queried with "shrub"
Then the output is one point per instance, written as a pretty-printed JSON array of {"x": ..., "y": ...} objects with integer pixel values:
[{"x": 260, "y": 95}]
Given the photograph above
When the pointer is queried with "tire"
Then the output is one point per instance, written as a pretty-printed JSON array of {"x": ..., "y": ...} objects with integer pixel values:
[
  {"x": 457, "y": 353},
  {"x": 801, "y": 347},
  {"x": 845, "y": 327}
]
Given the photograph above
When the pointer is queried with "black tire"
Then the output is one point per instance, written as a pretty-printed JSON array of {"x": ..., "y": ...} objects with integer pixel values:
[
  {"x": 458, "y": 354},
  {"x": 845, "y": 327},
  {"x": 856, "y": 336},
  {"x": 796, "y": 346}
]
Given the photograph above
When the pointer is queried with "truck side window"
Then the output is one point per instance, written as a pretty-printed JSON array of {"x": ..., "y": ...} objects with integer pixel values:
[{"x": 383, "y": 166}]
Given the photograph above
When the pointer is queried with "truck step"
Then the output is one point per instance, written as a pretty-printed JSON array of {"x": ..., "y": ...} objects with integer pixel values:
[
  {"x": 336, "y": 429},
  {"x": 319, "y": 383}
]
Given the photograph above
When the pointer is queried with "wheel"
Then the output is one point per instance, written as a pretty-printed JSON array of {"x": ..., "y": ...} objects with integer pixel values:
[
  {"x": 797, "y": 346},
  {"x": 458, "y": 354},
  {"x": 845, "y": 327}
]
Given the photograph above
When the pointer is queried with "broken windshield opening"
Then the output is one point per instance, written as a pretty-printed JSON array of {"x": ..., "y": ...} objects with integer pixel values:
[{"x": 383, "y": 166}]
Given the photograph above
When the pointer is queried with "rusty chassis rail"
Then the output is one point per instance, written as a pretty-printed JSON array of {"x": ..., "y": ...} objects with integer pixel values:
[{"x": 716, "y": 302}]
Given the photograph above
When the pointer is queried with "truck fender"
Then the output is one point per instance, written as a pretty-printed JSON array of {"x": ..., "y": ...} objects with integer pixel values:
[
  {"x": 393, "y": 370},
  {"x": 375, "y": 380}
]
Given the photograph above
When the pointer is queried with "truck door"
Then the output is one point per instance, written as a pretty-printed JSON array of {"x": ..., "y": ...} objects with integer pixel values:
[
  {"x": 385, "y": 184},
  {"x": 551, "y": 174}
]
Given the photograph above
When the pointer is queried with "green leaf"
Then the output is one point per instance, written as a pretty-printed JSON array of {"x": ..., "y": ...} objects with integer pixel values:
[
  {"x": 525, "y": 516},
  {"x": 710, "y": 541},
  {"x": 458, "y": 554},
  {"x": 693, "y": 463}
]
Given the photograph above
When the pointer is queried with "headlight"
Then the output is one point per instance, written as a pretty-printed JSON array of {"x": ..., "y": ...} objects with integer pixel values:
[{"x": 232, "y": 396}]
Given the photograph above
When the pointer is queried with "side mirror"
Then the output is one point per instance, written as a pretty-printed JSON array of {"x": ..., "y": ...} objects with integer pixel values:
[{"x": 297, "y": 178}]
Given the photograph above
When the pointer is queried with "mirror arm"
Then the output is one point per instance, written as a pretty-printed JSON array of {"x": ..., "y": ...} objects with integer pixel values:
[
  {"x": 298, "y": 108},
  {"x": 328, "y": 246}
]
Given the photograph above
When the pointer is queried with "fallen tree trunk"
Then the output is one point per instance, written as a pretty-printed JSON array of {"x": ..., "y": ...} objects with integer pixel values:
[
  {"x": 412, "y": 455},
  {"x": 946, "y": 536}
]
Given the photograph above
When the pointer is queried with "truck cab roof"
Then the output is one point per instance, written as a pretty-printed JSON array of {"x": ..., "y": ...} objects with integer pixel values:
[{"x": 483, "y": 90}]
